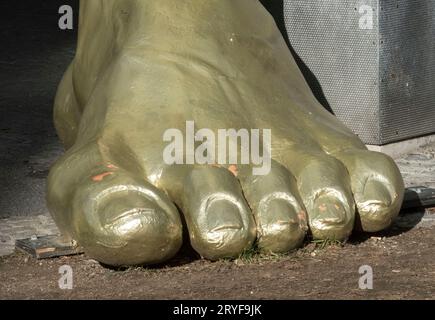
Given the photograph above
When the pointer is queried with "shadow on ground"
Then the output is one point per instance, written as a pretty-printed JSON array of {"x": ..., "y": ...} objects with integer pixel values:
[{"x": 34, "y": 55}]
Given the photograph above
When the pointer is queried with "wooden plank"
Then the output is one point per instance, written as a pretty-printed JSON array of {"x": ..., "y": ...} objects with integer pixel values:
[
  {"x": 419, "y": 197},
  {"x": 47, "y": 247}
]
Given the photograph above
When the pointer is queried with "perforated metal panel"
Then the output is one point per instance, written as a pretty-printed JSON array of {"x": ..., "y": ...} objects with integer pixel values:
[{"x": 371, "y": 61}]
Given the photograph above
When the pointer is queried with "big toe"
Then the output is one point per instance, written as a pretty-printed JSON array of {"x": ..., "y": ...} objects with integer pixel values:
[{"x": 126, "y": 223}]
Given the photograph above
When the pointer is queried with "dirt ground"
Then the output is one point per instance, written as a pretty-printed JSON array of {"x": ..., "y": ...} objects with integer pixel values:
[{"x": 403, "y": 263}]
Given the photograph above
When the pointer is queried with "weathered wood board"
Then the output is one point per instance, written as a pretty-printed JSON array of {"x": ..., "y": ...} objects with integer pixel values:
[{"x": 47, "y": 247}]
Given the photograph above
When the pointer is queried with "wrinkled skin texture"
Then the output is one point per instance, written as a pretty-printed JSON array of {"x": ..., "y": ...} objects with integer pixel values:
[{"x": 144, "y": 66}]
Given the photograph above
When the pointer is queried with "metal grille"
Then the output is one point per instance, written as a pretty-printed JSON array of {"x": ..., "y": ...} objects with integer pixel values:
[
  {"x": 378, "y": 78},
  {"x": 407, "y": 69}
]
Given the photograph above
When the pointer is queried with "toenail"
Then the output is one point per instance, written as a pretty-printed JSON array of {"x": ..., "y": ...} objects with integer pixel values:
[
  {"x": 132, "y": 221},
  {"x": 280, "y": 227},
  {"x": 223, "y": 215},
  {"x": 226, "y": 228}
]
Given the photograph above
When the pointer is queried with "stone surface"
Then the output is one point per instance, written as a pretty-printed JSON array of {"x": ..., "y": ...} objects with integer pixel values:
[
  {"x": 399, "y": 149},
  {"x": 33, "y": 57},
  {"x": 15, "y": 228},
  {"x": 418, "y": 167}
]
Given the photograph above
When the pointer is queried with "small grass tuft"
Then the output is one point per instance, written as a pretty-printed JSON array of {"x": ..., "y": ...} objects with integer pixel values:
[
  {"x": 323, "y": 244},
  {"x": 249, "y": 255},
  {"x": 255, "y": 255}
]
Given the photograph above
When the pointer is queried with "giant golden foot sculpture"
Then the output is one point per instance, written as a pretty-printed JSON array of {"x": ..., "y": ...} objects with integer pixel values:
[{"x": 144, "y": 67}]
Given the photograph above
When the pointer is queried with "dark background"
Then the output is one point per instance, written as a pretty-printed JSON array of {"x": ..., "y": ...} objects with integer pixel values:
[
  {"x": 33, "y": 56},
  {"x": 34, "y": 53}
]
